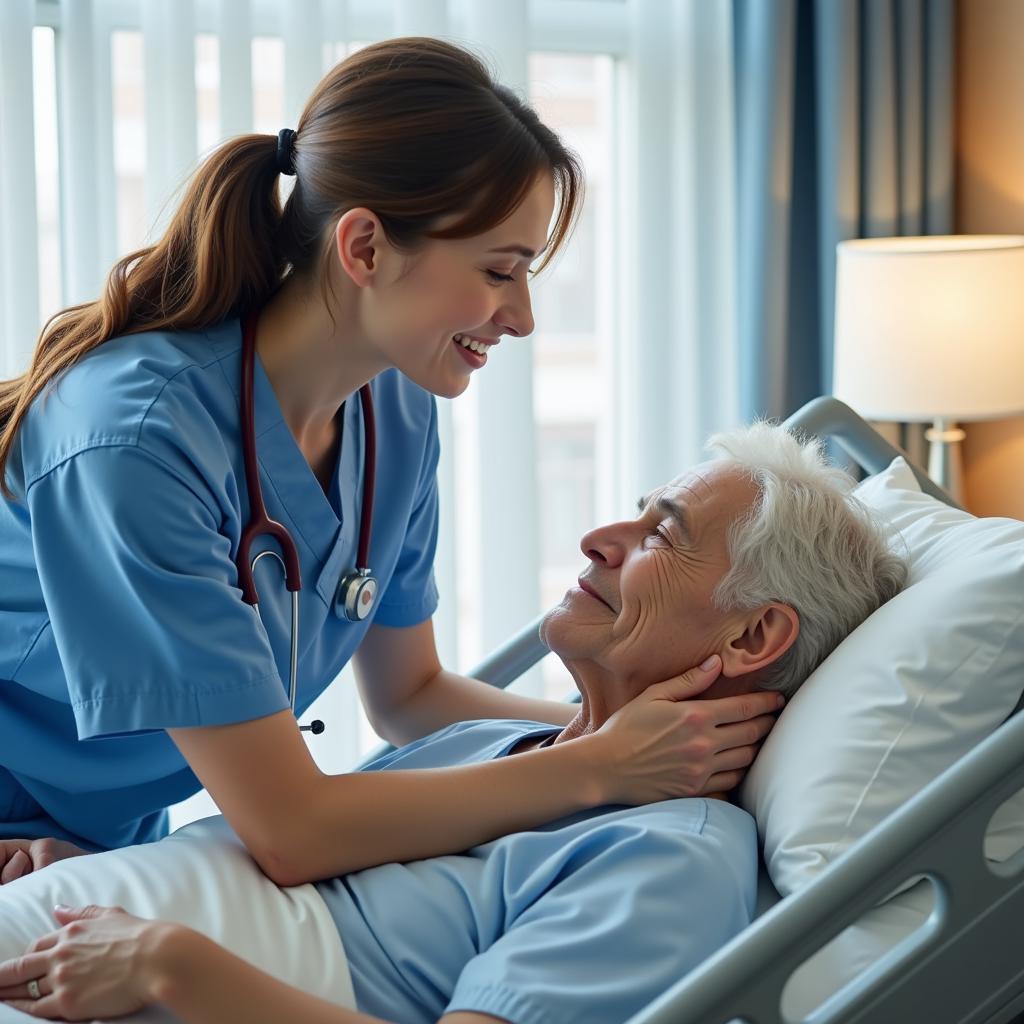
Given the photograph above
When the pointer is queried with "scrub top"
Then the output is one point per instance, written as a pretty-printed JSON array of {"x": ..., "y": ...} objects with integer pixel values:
[
  {"x": 588, "y": 918},
  {"x": 120, "y": 612}
]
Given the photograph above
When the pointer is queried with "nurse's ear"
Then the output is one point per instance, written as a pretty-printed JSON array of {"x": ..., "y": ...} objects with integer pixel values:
[{"x": 358, "y": 240}]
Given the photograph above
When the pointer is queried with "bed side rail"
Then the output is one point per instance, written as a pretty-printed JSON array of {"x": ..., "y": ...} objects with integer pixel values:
[
  {"x": 828, "y": 417},
  {"x": 965, "y": 964},
  {"x": 514, "y": 657}
]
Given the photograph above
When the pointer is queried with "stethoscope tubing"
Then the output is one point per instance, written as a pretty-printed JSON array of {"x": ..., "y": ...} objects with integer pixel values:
[
  {"x": 294, "y": 654},
  {"x": 360, "y": 587},
  {"x": 259, "y": 521}
]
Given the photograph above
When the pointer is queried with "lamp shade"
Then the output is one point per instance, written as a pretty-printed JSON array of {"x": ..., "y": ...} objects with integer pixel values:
[{"x": 931, "y": 327}]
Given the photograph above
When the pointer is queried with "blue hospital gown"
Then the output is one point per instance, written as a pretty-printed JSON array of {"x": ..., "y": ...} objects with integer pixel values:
[
  {"x": 586, "y": 919},
  {"x": 120, "y": 613}
]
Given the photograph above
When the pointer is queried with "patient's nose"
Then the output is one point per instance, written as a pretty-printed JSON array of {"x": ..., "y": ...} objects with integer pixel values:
[{"x": 603, "y": 545}]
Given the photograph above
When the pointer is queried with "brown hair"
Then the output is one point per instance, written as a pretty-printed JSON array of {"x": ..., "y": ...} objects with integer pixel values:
[{"x": 414, "y": 129}]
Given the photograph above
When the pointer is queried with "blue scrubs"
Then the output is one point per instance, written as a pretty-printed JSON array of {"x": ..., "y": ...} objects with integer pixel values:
[
  {"x": 120, "y": 614},
  {"x": 586, "y": 919}
]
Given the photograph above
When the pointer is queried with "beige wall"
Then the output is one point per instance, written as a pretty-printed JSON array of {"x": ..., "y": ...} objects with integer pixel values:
[{"x": 990, "y": 198}]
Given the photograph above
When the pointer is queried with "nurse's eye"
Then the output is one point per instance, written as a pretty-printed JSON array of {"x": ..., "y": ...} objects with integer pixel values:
[{"x": 495, "y": 276}]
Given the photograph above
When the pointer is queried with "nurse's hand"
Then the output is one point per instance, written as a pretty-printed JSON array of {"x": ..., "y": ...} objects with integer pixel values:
[
  {"x": 668, "y": 745},
  {"x": 100, "y": 964},
  {"x": 23, "y": 856}
]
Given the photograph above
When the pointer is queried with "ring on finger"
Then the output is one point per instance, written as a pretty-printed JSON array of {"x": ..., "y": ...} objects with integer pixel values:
[{"x": 33, "y": 989}]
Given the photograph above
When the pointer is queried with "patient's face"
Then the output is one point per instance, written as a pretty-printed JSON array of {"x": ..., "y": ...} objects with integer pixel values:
[{"x": 648, "y": 614}]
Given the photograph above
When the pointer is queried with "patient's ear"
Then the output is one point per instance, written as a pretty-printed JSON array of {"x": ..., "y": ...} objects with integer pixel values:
[{"x": 760, "y": 639}]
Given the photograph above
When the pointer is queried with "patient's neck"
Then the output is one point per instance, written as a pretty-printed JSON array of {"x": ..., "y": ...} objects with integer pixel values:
[{"x": 602, "y": 695}]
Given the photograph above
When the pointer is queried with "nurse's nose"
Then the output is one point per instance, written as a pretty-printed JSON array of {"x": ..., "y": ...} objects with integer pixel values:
[{"x": 515, "y": 316}]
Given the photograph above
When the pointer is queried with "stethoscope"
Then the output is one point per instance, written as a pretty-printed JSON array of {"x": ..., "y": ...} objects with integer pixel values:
[{"x": 357, "y": 590}]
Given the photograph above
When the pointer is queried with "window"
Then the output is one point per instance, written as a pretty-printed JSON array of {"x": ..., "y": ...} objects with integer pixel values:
[{"x": 44, "y": 85}]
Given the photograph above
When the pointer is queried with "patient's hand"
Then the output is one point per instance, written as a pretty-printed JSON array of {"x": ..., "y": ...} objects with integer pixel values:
[
  {"x": 99, "y": 964},
  {"x": 22, "y": 856}
]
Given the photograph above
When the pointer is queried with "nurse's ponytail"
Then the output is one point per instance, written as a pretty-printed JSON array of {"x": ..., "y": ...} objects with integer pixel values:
[
  {"x": 217, "y": 253},
  {"x": 415, "y": 129}
]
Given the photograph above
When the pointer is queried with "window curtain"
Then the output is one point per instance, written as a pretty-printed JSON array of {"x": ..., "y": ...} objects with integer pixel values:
[{"x": 844, "y": 127}]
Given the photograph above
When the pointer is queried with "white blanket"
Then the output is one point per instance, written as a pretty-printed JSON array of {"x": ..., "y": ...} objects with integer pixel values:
[{"x": 200, "y": 876}]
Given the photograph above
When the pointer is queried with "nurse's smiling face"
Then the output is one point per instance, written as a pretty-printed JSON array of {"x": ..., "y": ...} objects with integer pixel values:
[
  {"x": 417, "y": 306},
  {"x": 643, "y": 611}
]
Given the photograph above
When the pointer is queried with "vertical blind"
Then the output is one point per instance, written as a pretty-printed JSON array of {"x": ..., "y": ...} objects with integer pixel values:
[{"x": 631, "y": 362}]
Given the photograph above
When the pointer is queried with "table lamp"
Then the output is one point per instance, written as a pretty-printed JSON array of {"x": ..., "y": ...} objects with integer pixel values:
[{"x": 931, "y": 329}]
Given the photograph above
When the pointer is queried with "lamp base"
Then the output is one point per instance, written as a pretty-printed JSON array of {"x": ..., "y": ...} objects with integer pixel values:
[{"x": 945, "y": 457}]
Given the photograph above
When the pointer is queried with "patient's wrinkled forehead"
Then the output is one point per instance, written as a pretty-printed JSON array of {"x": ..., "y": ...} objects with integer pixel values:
[{"x": 711, "y": 494}]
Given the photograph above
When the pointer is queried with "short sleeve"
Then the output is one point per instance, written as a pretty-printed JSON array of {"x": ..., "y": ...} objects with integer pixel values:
[
  {"x": 631, "y": 910},
  {"x": 141, "y": 592},
  {"x": 411, "y": 594}
]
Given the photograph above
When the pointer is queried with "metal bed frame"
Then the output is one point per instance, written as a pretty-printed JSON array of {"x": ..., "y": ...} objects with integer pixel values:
[{"x": 965, "y": 964}]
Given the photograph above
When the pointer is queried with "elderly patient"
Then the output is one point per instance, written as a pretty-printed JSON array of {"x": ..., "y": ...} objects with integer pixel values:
[{"x": 753, "y": 565}]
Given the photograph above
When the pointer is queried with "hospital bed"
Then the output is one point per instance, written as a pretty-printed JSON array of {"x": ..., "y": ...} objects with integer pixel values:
[{"x": 965, "y": 964}]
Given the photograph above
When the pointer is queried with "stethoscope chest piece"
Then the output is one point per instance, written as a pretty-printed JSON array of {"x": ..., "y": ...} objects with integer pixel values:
[{"x": 356, "y": 596}]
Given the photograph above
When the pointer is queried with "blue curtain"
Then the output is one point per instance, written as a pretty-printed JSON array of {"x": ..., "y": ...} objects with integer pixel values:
[{"x": 844, "y": 130}]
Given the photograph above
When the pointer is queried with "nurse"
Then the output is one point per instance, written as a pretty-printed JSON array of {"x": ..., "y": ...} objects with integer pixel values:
[{"x": 131, "y": 669}]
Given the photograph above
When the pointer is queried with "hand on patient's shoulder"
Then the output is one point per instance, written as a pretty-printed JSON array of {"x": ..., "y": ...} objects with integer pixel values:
[
  {"x": 23, "y": 856},
  {"x": 674, "y": 746}
]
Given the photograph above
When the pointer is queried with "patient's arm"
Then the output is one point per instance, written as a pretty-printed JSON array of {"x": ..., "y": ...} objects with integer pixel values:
[{"x": 106, "y": 963}]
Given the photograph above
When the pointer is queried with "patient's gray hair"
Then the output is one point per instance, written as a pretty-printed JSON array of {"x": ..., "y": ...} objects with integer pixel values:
[{"x": 806, "y": 542}]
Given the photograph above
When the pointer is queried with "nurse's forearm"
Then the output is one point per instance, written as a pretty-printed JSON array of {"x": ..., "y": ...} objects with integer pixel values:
[
  {"x": 356, "y": 821},
  {"x": 449, "y": 697},
  {"x": 202, "y": 983}
]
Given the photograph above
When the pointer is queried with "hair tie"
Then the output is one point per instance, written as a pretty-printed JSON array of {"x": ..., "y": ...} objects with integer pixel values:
[{"x": 285, "y": 151}]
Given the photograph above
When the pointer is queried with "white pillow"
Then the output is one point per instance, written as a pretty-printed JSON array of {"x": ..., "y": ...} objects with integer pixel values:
[{"x": 910, "y": 691}]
